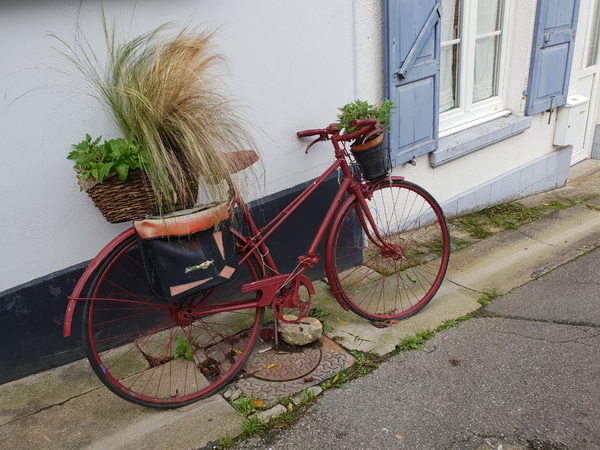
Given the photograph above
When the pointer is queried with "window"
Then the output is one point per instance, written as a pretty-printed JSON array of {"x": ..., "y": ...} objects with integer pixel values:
[
  {"x": 472, "y": 57},
  {"x": 592, "y": 53}
]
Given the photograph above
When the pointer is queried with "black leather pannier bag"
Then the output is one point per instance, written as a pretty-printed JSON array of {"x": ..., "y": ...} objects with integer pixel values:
[{"x": 188, "y": 253}]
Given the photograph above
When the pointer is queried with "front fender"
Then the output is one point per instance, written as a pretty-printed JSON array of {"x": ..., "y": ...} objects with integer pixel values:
[
  {"x": 91, "y": 268},
  {"x": 329, "y": 269}
]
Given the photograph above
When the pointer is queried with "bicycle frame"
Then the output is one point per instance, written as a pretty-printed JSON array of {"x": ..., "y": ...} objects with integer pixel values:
[{"x": 255, "y": 246}]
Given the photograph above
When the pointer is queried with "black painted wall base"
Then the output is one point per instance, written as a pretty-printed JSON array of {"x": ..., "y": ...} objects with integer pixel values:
[{"x": 31, "y": 315}]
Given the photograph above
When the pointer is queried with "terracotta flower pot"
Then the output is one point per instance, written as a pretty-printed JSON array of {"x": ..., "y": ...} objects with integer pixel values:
[
  {"x": 373, "y": 158},
  {"x": 369, "y": 144}
]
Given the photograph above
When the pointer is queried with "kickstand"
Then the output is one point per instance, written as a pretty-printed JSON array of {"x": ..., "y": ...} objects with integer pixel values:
[{"x": 276, "y": 331}]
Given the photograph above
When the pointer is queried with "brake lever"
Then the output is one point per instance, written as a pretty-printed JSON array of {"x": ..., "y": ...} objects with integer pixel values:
[
  {"x": 322, "y": 137},
  {"x": 378, "y": 129}
]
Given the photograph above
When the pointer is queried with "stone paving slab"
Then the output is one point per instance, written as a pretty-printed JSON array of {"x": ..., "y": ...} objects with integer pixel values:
[{"x": 98, "y": 419}]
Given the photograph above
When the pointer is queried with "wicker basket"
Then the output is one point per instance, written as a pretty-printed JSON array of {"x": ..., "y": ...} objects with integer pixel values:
[{"x": 120, "y": 201}]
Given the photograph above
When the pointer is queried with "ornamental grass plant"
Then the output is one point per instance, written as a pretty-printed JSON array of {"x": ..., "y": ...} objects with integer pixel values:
[{"x": 164, "y": 91}]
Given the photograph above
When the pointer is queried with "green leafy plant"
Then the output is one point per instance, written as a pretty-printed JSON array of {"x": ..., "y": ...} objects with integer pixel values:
[
  {"x": 225, "y": 442},
  {"x": 289, "y": 416},
  {"x": 307, "y": 398},
  {"x": 285, "y": 401},
  {"x": 98, "y": 161},
  {"x": 244, "y": 405},
  {"x": 184, "y": 348},
  {"x": 252, "y": 425},
  {"x": 415, "y": 342},
  {"x": 446, "y": 325},
  {"x": 487, "y": 297},
  {"x": 363, "y": 110},
  {"x": 365, "y": 362},
  {"x": 338, "y": 381},
  {"x": 319, "y": 314}
]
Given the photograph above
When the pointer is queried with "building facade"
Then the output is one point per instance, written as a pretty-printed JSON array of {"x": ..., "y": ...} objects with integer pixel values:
[{"x": 496, "y": 100}]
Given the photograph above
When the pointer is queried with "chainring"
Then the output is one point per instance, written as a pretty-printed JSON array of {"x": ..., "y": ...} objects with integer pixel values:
[{"x": 289, "y": 298}]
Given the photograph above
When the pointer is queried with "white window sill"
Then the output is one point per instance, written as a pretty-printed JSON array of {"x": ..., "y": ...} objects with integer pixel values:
[{"x": 477, "y": 137}]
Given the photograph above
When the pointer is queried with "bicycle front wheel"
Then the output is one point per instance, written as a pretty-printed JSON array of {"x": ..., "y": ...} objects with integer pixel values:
[
  {"x": 160, "y": 354},
  {"x": 394, "y": 281}
]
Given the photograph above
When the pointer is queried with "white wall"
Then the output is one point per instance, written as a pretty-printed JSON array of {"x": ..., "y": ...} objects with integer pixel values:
[{"x": 293, "y": 64}]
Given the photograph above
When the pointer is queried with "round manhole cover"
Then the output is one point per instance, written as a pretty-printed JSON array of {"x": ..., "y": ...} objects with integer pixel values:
[{"x": 275, "y": 366}]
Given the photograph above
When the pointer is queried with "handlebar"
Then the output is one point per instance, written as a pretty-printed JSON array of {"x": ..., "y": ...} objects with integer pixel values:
[
  {"x": 364, "y": 122},
  {"x": 369, "y": 128},
  {"x": 307, "y": 133}
]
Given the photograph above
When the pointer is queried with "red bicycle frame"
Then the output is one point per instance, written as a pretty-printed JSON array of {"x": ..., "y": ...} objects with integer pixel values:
[
  {"x": 255, "y": 246},
  {"x": 273, "y": 283}
]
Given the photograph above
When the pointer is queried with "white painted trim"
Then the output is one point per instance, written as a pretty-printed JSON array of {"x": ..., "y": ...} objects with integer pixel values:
[{"x": 466, "y": 125}]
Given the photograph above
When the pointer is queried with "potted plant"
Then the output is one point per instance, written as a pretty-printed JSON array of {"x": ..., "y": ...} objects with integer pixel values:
[
  {"x": 163, "y": 92},
  {"x": 111, "y": 175},
  {"x": 369, "y": 153}
]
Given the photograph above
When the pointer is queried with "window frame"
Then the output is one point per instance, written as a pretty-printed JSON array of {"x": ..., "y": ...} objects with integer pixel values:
[{"x": 469, "y": 114}]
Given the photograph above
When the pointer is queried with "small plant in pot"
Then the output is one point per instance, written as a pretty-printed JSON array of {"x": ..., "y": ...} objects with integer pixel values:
[
  {"x": 95, "y": 161},
  {"x": 111, "y": 174},
  {"x": 370, "y": 153}
]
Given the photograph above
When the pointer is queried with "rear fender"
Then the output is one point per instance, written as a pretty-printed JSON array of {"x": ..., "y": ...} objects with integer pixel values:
[{"x": 91, "y": 268}]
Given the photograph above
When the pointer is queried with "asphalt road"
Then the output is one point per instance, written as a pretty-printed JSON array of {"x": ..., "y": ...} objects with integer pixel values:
[{"x": 527, "y": 375}]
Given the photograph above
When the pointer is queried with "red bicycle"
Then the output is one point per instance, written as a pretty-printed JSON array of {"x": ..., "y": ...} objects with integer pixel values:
[{"x": 386, "y": 254}]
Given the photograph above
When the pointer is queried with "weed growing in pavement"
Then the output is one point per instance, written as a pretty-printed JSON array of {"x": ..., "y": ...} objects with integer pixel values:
[
  {"x": 414, "y": 342},
  {"x": 252, "y": 426},
  {"x": 308, "y": 398},
  {"x": 226, "y": 442},
  {"x": 337, "y": 381},
  {"x": 244, "y": 405},
  {"x": 319, "y": 313},
  {"x": 508, "y": 216},
  {"x": 184, "y": 348},
  {"x": 458, "y": 244},
  {"x": 285, "y": 418},
  {"x": 487, "y": 297},
  {"x": 447, "y": 325},
  {"x": 285, "y": 401},
  {"x": 365, "y": 362}
]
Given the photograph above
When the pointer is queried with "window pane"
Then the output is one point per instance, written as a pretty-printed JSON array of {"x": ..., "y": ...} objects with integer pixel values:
[
  {"x": 592, "y": 56},
  {"x": 451, "y": 19},
  {"x": 489, "y": 16},
  {"x": 449, "y": 77},
  {"x": 486, "y": 65},
  {"x": 449, "y": 63}
]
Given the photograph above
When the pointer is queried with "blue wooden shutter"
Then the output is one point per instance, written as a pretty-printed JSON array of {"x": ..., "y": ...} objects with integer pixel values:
[
  {"x": 412, "y": 68},
  {"x": 552, "y": 54}
]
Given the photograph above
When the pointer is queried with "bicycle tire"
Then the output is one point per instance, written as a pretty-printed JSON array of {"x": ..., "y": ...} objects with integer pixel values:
[
  {"x": 144, "y": 352},
  {"x": 383, "y": 285}
]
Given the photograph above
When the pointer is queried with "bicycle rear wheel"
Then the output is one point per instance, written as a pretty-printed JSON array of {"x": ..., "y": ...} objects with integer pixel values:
[
  {"x": 155, "y": 353},
  {"x": 382, "y": 283}
]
